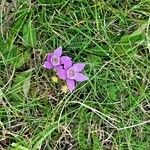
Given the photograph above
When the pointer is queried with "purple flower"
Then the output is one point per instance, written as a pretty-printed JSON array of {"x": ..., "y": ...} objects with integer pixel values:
[
  {"x": 53, "y": 60},
  {"x": 71, "y": 72}
]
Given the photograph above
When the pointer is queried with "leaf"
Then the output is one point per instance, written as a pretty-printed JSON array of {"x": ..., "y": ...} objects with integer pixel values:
[
  {"x": 1, "y": 94},
  {"x": 29, "y": 35},
  {"x": 20, "y": 81},
  {"x": 21, "y": 59},
  {"x": 127, "y": 43},
  {"x": 18, "y": 147},
  {"x": 26, "y": 86},
  {"x": 43, "y": 135},
  {"x": 135, "y": 36},
  {"x": 15, "y": 58},
  {"x": 6, "y": 46},
  {"x": 8, "y": 55}
]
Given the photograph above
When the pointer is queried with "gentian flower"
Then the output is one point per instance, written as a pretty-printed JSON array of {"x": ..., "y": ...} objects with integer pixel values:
[
  {"x": 71, "y": 72},
  {"x": 53, "y": 60}
]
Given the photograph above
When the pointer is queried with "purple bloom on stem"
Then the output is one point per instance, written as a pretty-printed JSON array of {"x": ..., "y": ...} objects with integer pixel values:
[
  {"x": 53, "y": 60},
  {"x": 71, "y": 72}
]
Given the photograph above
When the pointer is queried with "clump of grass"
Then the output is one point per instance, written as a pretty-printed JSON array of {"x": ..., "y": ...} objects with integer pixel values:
[{"x": 110, "y": 111}]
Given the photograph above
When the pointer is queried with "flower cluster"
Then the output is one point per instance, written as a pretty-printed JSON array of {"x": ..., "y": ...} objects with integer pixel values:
[{"x": 65, "y": 69}]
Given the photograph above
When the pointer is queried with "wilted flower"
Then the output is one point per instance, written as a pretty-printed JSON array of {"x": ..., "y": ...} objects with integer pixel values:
[
  {"x": 71, "y": 72},
  {"x": 53, "y": 60},
  {"x": 64, "y": 88},
  {"x": 54, "y": 79}
]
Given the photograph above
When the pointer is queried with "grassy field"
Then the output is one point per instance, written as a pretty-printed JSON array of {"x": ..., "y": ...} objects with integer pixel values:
[{"x": 110, "y": 111}]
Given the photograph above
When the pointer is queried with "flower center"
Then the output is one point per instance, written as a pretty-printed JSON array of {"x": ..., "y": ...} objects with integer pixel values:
[
  {"x": 71, "y": 74},
  {"x": 55, "y": 60}
]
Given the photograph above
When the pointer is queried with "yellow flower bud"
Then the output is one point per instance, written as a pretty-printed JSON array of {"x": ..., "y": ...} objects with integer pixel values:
[
  {"x": 54, "y": 79},
  {"x": 64, "y": 88}
]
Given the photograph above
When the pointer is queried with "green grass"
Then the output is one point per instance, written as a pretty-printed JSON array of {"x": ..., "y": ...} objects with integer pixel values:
[{"x": 109, "y": 111}]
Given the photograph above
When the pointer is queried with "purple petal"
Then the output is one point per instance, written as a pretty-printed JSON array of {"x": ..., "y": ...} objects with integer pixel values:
[
  {"x": 70, "y": 84},
  {"x": 79, "y": 67},
  {"x": 57, "y": 68},
  {"x": 58, "y": 51},
  {"x": 47, "y": 65},
  {"x": 66, "y": 61},
  {"x": 49, "y": 55},
  {"x": 81, "y": 77},
  {"x": 61, "y": 74}
]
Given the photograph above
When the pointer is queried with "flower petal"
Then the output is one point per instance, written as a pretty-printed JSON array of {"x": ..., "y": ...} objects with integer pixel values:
[
  {"x": 81, "y": 77},
  {"x": 58, "y": 51},
  {"x": 47, "y": 65},
  {"x": 49, "y": 55},
  {"x": 79, "y": 66},
  {"x": 66, "y": 61},
  {"x": 61, "y": 73},
  {"x": 70, "y": 84},
  {"x": 57, "y": 68}
]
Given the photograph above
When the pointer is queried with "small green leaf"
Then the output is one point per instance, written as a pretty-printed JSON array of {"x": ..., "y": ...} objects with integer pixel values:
[
  {"x": 29, "y": 35},
  {"x": 1, "y": 94},
  {"x": 15, "y": 58},
  {"x": 18, "y": 147},
  {"x": 9, "y": 55},
  {"x": 136, "y": 36},
  {"x": 43, "y": 135},
  {"x": 7, "y": 46},
  {"x": 127, "y": 43},
  {"x": 20, "y": 80},
  {"x": 21, "y": 59},
  {"x": 26, "y": 86}
]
